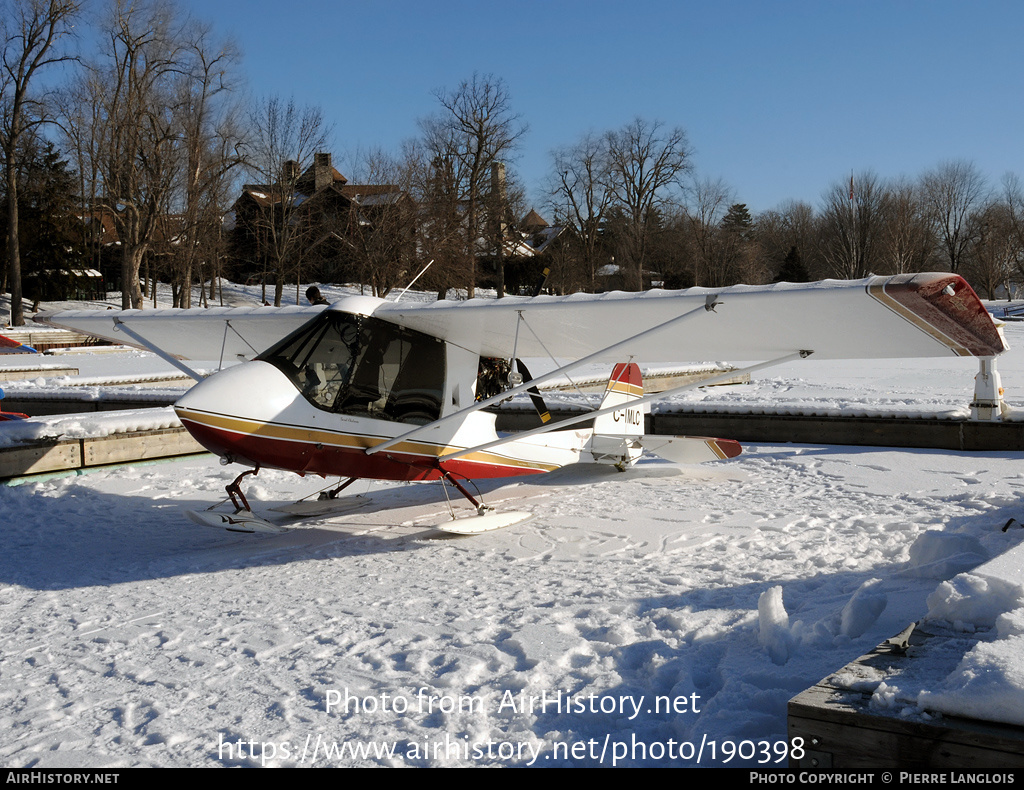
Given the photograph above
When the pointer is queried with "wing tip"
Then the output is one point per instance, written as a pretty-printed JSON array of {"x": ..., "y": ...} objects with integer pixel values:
[{"x": 944, "y": 306}]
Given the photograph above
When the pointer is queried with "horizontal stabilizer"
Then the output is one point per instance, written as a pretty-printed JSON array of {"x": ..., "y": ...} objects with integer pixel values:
[{"x": 690, "y": 449}]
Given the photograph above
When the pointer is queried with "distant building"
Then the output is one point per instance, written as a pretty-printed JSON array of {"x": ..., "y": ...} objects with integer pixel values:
[
  {"x": 102, "y": 244},
  {"x": 315, "y": 219},
  {"x": 342, "y": 232},
  {"x": 527, "y": 250}
]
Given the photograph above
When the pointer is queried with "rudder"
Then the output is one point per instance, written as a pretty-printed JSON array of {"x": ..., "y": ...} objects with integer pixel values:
[{"x": 617, "y": 434}]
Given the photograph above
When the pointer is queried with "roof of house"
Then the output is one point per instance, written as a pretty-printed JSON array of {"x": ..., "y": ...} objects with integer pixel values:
[{"x": 532, "y": 221}]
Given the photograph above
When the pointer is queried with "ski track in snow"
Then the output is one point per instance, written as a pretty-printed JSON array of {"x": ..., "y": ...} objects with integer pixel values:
[{"x": 132, "y": 637}]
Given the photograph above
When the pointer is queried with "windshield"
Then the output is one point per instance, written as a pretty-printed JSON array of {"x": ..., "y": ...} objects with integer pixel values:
[{"x": 350, "y": 364}]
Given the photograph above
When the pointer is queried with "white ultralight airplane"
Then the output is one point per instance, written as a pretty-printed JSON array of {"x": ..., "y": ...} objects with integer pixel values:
[{"x": 384, "y": 390}]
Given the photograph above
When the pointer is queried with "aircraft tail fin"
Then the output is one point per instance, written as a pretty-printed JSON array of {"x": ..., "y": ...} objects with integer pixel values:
[
  {"x": 619, "y": 437},
  {"x": 616, "y": 435},
  {"x": 625, "y": 385}
]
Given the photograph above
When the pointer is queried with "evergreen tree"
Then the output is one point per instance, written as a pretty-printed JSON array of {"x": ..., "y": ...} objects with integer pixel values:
[
  {"x": 793, "y": 269},
  {"x": 738, "y": 220},
  {"x": 50, "y": 237},
  {"x": 734, "y": 258}
]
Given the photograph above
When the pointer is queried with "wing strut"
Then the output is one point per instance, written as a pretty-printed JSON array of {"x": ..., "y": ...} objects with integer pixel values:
[
  {"x": 590, "y": 415},
  {"x": 708, "y": 307},
  {"x": 121, "y": 326}
]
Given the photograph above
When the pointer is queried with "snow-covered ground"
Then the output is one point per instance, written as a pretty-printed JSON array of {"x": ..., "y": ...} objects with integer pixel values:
[{"x": 639, "y": 617}]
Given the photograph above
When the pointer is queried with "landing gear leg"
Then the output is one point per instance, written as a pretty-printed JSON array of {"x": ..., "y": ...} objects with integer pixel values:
[
  {"x": 485, "y": 519},
  {"x": 480, "y": 507},
  {"x": 235, "y": 491},
  {"x": 243, "y": 519},
  {"x": 333, "y": 493}
]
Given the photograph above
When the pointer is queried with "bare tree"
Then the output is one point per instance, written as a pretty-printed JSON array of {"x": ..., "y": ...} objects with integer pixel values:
[
  {"x": 33, "y": 31},
  {"x": 133, "y": 139},
  {"x": 1013, "y": 199},
  {"x": 282, "y": 143},
  {"x": 952, "y": 193},
  {"x": 582, "y": 187},
  {"x": 440, "y": 229},
  {"x": 851, "y": 224},
  {"x": 384, "y": 233},
  {"x": 648, "y": 162},
  {"x": 710, "y": 199},
  {"x": 907, "y": 241},
  {"x": 210, "y": 136},
  {"x": 788, "y": 233},
  {"x": 476, "y": 128},
  {"x": 996, "y": 252},
  {"x": 82, "y": 127},
  {"x": 995, "y": 256}
]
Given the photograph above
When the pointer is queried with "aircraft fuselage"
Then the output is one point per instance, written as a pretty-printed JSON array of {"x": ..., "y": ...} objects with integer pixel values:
[{"x": 343, "y": 383}]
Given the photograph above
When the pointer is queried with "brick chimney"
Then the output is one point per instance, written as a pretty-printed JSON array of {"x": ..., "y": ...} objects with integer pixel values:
[
  {"x": 322, "y": 175},
  {"x": 290, "y": 172}
]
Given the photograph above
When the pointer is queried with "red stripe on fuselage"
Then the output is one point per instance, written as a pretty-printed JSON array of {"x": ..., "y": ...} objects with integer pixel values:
[{"x": 330, "y": 461}]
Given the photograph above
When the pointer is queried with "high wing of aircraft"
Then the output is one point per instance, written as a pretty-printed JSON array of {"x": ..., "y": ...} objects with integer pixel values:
[
  {"x": 847, "y": 319},
  {"x": 397, "y": 391}
]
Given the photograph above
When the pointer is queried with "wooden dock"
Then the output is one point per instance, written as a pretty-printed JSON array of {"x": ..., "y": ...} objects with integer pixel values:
[
  {"x": 49, "y": 339},
  {"x": 23, "y": 372},
  {"x": 840, "y": 731},
  {"x": 65, "y": 455}
]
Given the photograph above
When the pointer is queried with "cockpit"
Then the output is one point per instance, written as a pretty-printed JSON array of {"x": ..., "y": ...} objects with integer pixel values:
[{"x": 359, "y": 365}]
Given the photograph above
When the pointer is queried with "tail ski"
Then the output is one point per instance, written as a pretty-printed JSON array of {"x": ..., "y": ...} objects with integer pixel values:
[{"x": 619, "y": 437}]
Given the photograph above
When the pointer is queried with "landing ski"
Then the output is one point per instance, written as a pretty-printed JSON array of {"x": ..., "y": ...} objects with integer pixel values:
[
  {"x": 323, "y": 507},
  {"x": 471, "y": 525},
  {"x": 234, "y": 522}
]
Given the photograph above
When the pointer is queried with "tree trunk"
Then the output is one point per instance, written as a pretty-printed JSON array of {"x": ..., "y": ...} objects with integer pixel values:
[
  {"x": 13, "y": 248},
  {"x": 131, "y": 292},
  {"x": 186, "y": 285}
]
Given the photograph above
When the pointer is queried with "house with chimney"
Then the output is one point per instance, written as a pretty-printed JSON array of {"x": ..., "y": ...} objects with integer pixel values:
[
  {"x": 313, "y": 224},
  {"x": 526, "y": 254}
]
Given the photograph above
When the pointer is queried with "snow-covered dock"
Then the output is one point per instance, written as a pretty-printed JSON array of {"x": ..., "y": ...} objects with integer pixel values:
[
  {"x": 843, "y": 732},
  {"x": 44, "y": 445},
  {"x": 945, "y": 694},
  {"x": 878, "y": 430},
  {"x": 64, "y": 455},
  {"x": 22, "y": 372}
]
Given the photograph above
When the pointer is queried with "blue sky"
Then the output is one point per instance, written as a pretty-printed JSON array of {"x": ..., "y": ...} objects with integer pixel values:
[{"x": 779, "y": 99}]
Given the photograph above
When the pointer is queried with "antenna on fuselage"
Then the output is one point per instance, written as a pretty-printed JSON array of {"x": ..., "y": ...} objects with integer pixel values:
[{"x": 414, "y": 279}]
